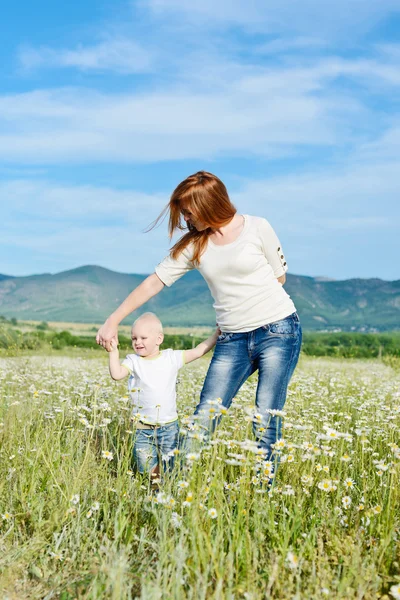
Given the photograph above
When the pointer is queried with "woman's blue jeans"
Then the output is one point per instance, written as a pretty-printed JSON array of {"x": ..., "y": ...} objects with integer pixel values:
[{"x": 273, "y": 350}]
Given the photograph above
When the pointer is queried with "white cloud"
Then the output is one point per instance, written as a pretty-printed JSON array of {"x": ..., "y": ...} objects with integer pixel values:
[
  {"x": 384, "y": 148},
  {"x": 329, "y": 19},
  {"x": 120, "y": 55},
  {"x": 339, "y": 221},
  {"x": 56, "y": 227},
  {"x": 287, "y": 45},
  {"x": 46, "y": 202},
  {"x": 245, "y": 110}
]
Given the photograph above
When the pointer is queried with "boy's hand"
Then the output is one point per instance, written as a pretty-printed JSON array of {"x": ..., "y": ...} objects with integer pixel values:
[
  {"x": 106, "y": 334},
  {"x": 216, "y": 334},
  {"x": 113, "y": 346}
]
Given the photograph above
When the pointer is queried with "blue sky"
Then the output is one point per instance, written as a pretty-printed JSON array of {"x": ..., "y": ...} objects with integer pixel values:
[{"x": 105, "y": 107}]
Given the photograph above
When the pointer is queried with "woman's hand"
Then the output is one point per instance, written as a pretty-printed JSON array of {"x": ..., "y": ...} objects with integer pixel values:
[{"x": 107, "y": 336}]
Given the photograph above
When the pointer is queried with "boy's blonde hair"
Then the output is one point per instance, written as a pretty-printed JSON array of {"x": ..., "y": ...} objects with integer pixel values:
[{"x": 151, "y": 317}]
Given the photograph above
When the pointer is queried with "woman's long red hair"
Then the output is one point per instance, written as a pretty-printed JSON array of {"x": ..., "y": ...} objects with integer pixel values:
[{"x": 206, "y": 197}]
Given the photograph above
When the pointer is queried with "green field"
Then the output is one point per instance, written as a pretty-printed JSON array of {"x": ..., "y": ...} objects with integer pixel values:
[
  {"x": 17, "y": 336},
  {"x": 74, "y": 524}
]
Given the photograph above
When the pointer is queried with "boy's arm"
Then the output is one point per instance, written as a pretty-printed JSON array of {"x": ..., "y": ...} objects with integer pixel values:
[
  {"x": 117, "y": 371},
  {"x": 202, "y": 348}
]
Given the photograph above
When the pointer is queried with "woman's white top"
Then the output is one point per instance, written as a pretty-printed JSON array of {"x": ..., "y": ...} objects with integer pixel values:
[
  {"x": 242, "y": 277},
  {"x": 152, "y": 385}
]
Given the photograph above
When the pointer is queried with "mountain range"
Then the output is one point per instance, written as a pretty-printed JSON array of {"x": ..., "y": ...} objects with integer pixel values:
[{"x": 90, "y": 293}]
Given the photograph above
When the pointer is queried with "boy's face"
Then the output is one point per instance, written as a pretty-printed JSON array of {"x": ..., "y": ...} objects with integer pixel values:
[{"x": 146, "y": 339}]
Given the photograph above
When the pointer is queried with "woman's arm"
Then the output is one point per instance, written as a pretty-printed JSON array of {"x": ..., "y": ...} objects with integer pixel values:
[
  {"x": 273, "y": 250},
  {"x": 151, "y": 286}
]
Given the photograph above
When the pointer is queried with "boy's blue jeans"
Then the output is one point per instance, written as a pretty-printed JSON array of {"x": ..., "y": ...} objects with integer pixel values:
[
  {"x": 273, "y": 350},
  {"x": 153, "y": 446}
]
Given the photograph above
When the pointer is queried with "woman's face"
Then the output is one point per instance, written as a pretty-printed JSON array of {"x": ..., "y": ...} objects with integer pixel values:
[{"x": 192, "y": 221}]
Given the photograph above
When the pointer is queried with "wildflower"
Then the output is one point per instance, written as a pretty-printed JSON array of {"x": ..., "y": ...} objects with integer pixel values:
[
  {"x": 212, "y": 513},
  {"x": 89, "y": 514},
  {"x": 276, "y": 413},
  {"x": 6, "y": 516},
  {"x": 381, "y": 466},
  {"x": 362, "y": 530},
  {"x": 56, "y": 556},
  {"x": 279, "y": 444},
  {"x": 96, "y": 506},
  {"x": 377, "y": 509},
  {"x": 192, "y": 456},
  {"x": 307, "y": 480},
  {"x": 349, "y": 483},
  {"x": 161, "y": 498},
  {"x": 176, "y": 520},
  {"x": 346, "y": 501},
  {"x": 107, "y": 454},
  {"x": 183, "y": 484},
  {"x": 170, "y": 502},
  {"x": 326, "y": 485},
  {"x": 307, "y": 445},
  {"x": 75, "y": 499},
  {"x": 345, "y": 458},
  {"x": 360, "y": 507},
  {"x": 395, "y": 591},
  {"x": 292, "y": 560}
]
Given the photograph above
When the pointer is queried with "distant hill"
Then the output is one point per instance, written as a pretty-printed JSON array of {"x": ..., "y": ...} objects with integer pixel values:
[{"x": 90, "y": 293}]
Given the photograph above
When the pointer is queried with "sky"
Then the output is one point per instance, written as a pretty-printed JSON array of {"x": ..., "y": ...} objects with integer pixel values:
[{"x": 106, "y": 106}]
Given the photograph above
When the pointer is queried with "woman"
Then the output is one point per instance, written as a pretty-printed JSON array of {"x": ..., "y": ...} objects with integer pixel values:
[{"x": 241, "y": 259}]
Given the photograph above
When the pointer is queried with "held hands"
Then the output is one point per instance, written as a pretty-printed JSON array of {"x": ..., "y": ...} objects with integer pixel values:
[
  {"x": 215, "y": 335},
  {"x": 113, "y": 346},
  {"x": 107, "y": 335}
]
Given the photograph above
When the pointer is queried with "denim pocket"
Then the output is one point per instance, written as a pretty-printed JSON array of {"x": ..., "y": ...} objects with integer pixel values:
[
  {"x": 284, "y": 327},
  {"x": 224, "y": 337}
]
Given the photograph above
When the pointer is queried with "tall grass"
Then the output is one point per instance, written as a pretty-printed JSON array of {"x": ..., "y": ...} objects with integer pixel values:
[{"x": 76, "y": 524}]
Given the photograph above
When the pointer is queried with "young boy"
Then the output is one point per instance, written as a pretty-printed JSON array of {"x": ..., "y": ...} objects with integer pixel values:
[{"x": 152, "y": 384}]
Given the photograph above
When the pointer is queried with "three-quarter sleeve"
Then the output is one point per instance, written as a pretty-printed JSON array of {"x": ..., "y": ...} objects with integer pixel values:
[
  {"x": 272, "y": 248},
  {"x": 171, "y": 269}
]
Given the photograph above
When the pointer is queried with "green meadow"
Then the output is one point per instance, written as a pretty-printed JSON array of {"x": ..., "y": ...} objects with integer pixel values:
[{"x": 76, "y": 522}]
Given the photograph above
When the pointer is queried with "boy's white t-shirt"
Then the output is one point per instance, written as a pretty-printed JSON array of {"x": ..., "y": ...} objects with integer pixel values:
[
  {"x": 242, "y": 277},
  {"x": 152, "y": 385}
]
